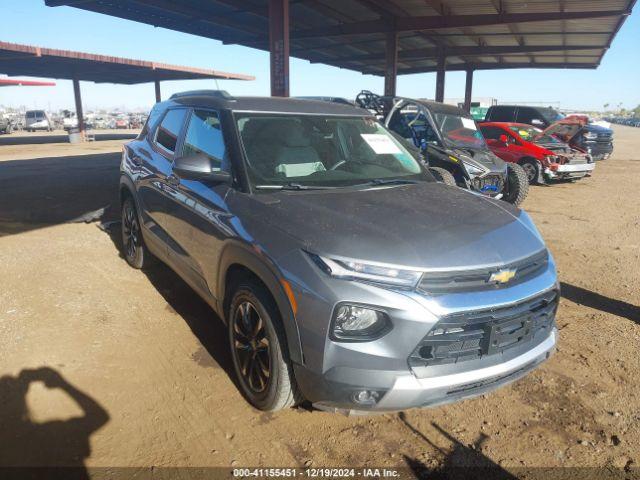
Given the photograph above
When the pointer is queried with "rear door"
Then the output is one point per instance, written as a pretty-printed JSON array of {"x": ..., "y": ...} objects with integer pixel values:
[{"x": 155, "y": 186}]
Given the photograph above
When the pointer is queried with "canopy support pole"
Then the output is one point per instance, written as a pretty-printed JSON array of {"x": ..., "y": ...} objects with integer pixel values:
[
  {"x": 467, "y": 90},
  {"x": 158, "y": 96},
  {"x": 279, "y": 47},
  {"x": 391, "y": 68},
  {"x": 442, "y": 65},
  {"x": 78, "y": 100}
]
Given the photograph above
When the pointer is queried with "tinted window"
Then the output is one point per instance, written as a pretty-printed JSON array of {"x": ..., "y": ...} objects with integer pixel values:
[
  {"x": 492, "y": 133},
  {"x": 152, "y": 119},
  {"x": 169, "y": 129},
  {"x": 527, "y": 115},
  {"x": 501, "y": 114},
  {"x": 205, "y": 136}
]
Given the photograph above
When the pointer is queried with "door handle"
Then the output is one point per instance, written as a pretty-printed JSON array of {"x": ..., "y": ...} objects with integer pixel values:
[{"x": 173, "y": 180}]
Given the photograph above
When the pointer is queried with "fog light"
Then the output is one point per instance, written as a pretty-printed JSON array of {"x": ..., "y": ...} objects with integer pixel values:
[
  {"x": 357, "y": 323},
  {"x": 366, "y": 397}
]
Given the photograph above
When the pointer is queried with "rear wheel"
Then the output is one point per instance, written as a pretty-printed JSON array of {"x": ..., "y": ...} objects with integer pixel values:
[
  {"x": 135, "y": 251},
  {"x": 443, "y": 175},
  {"x": 532, "y": 169},
  {"x": 258, "y": 349},
  {"x": 518, "y": 184}
]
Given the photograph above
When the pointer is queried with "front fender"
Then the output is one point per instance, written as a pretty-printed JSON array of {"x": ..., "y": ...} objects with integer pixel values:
[{"x": 255, "y": 260}]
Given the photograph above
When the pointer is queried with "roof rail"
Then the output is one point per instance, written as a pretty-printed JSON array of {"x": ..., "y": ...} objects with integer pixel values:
[{"x": 203, "y": 93}]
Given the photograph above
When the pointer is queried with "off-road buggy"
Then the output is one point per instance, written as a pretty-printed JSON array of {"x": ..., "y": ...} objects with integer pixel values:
[{"x": 451, "y": 145}]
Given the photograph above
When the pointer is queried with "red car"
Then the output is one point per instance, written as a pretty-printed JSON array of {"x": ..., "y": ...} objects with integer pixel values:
[{"x": 543, "y": 157}]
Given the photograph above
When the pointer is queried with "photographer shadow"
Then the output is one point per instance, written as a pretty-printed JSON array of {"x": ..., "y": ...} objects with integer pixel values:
[{"x": 59, "y": 447}]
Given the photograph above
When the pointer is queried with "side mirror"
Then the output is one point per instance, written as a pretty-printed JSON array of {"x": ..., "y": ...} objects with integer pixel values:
[
  {"x": 504, "y": 139},
  {"x": 198, "y": 167}
]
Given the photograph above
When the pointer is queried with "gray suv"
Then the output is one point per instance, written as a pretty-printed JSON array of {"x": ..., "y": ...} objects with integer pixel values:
[{"x": 347, "y": 276}]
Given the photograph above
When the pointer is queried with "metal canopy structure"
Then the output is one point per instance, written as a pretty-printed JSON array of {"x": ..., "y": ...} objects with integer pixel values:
[
  {"x": 17, "y": 59},
  {"x": 17, "y": 82},
  {"x": 391, "y": 37}
]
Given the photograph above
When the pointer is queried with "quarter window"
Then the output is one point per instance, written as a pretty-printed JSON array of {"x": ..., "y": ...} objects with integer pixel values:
[
  {"x": 169, "y": 129},
  {"x": 204, "y": 135}
]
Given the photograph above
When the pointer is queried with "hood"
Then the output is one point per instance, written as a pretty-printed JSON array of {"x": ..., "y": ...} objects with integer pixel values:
[
  {"x": 426, "y": 225},
  {"x": 483, "y": 158},
  {"x": 597, "y": 129},
  {"x": 553, "y": 147}
]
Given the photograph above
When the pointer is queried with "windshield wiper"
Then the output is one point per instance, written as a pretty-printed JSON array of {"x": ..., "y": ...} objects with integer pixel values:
[
  {"x": 389, "y": 181},
  {"x": 292, "y": 186}
]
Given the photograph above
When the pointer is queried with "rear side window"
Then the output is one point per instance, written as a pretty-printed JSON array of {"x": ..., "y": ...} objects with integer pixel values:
[
  {"x": 501, "y": 114},
  {"x": 528, "y": 115},
  {"x": 204, "y": 135},
  {"x": 169, "y": 130},
  {"x": 152, "y": 120}
]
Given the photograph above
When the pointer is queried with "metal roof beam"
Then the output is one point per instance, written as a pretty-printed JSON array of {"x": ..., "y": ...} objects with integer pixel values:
[
  {"x": 470, "y": 50},
  {"x": 403, "y": 24},
  {"x": 497, "y": 66}
]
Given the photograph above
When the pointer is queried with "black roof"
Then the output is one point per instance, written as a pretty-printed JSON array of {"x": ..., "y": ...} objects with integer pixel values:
[{"x": 220, "y": 100}]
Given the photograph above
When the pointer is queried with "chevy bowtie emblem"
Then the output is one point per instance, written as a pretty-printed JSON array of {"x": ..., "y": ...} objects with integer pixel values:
[{"x": 502, "y": 276}]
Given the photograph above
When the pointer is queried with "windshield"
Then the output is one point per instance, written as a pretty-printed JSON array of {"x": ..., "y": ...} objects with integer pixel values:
[
  {"x": 533, "y": 134},
  {"x": 459, "y": 131},
  {"x": 322, "y": 151}
]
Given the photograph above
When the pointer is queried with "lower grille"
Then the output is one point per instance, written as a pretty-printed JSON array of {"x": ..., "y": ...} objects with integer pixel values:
[
  {"x": 475, "y": 334},
  {"x": 491, "y": 184}
]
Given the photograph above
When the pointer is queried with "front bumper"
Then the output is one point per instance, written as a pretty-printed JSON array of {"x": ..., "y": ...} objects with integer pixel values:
[
  {"x": 570, "y": 170},
  {"x": 408, "y": 391}
]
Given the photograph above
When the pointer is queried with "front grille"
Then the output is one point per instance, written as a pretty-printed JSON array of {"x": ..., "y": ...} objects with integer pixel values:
[
  {"x": 480, "y": 279},
  {"x": 476, "y": 334},
  {"x": 491, "y": 184}
]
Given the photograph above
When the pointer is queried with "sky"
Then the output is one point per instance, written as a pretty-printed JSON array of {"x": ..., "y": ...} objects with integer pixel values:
[{"x": 616, "y": 81}]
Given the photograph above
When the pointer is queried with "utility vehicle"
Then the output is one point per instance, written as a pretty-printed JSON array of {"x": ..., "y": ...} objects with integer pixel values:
[{"x": 451, "y": 145}]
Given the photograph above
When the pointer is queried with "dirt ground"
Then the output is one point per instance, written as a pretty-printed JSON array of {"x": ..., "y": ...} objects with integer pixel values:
[{"x": 103, "y": 365}]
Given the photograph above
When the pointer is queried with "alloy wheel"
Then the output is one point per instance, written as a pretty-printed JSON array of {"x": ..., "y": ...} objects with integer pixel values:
[
  {"x": 251, "y": 347},
  {"x": 130, "y": 231}
]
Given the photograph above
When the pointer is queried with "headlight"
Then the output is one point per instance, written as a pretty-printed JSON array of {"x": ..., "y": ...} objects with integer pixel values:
[
  {"x": 358, "y": 323},
  {"x": 472, "y": 169},
  {"x": 590, "y": 135},
  {"x": 378, "y": 273}
]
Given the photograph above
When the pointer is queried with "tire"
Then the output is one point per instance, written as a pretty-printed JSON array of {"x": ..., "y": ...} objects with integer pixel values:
[
  {"x": 531, "y": 168},
  {"x": 258, "y": 349},
  {"x": 443, "y": 175},
  {"x": 135, "y": 251},
  {"x": 518, "y": 184}
]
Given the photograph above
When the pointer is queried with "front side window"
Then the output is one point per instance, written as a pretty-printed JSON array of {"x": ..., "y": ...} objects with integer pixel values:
[
  {"x": 169, "y": 130},
  {"x": 459, "y": 131},
  {"x": 411, "y": 123},
  {"x": 204, "y": 135},
  {"x": 492, "y": 133},
  {"x": 320, "y": 150}
]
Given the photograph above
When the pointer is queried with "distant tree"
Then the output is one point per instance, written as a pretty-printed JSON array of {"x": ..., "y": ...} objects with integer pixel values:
[{"x": 606, "y": 105}]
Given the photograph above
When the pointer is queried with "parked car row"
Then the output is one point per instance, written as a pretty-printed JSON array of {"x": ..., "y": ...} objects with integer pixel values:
[
  {"x": 629, "y": 121},
  {"x": 346, "y": 275}
]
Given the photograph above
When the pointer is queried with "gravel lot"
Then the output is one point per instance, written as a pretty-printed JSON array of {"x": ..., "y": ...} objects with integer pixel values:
[{"x": 147, "y": 363}]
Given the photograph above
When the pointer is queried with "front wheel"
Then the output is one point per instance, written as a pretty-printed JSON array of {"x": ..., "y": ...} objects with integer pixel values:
[
  {"x": 518, "y": 184},
  {"x": 258, "y": 349},
  {"x": 443, "y": 175},
  {"x": 532, "y": 169}
]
